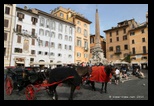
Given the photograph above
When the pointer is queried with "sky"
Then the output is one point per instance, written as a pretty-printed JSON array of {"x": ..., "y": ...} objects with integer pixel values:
[{"x": 109, "y": 14}]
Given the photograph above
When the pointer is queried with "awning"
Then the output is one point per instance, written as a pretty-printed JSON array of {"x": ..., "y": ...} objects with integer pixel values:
[
  {"x": 45, "y": 63},
  {"x": 18, "y": 62}
]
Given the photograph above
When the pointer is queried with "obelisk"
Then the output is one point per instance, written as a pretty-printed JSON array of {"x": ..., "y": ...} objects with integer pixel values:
[
  {"x": 97, "y": 52},
  {"x": 97, "y": 30}
]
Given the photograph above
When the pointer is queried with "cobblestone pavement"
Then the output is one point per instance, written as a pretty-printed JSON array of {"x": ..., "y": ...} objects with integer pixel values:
[{"x": 132, "y": 89}]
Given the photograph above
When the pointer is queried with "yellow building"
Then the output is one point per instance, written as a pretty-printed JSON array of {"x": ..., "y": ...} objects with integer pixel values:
[
  {"x": 9, "y": 19},
  {"x": 82, "y": 32},
  {"x": 117, "y": 40},
  {"x": 92, "y": 44},
  {"x": 139, "y": 45}
]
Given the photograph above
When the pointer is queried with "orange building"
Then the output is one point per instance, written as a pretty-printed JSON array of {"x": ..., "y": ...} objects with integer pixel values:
[
  {"x": 117, "y": 40},
  {"x": 128, "y": 38},
  {"x": 138, "y": 42},
  {"x": 82, "y": 32}
]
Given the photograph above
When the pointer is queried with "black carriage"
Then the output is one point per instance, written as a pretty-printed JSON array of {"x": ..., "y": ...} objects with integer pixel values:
[{"x": 18, "y": 78}]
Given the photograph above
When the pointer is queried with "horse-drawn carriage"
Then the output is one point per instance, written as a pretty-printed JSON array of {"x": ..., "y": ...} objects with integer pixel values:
[
  {"x": 18, "y": 78},
  {"x": 33, "y": 80}
]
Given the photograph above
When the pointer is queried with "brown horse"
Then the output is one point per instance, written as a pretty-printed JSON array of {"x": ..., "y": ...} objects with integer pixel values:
[{"x": 101, "y": 74}]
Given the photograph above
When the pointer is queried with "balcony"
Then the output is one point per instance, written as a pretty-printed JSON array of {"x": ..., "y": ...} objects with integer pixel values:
[
  {"x": 85, "y": 48},
  {"x": 26, "y": 33},
  {"x": 117, "y": 52}
]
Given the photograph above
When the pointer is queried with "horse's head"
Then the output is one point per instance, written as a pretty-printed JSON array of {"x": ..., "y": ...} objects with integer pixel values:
[
  {"x": 83, "y": 71},
  {"x": 109, "y": 69}
]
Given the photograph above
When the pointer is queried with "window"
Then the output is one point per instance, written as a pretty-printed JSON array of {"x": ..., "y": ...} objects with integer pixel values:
[
  {"x": 34, "y": 20},
  {"x": 133, "y": 42},
  {"x": 40, "y": 43},
  {"x": 85, "y": 25},
  {"x": 7, "y": 10},
  {"x": 20, "y": 16},
  {"x": 143, "y": 39},
  {"x": 39, "y": 52},
  {"x": 66, "y": 37},
  {"x": 70, "y": 38},
  {"x": 41, "y": 32},
  {"x": 78, "y": 29},
  {"x": 31, "y": 59},
  {"x": 85, "y": 55},
  {"x": 124, "y": 30},
  {"x": 91, "y": 40},
  {"x": 78, "y": 22},
  {"x": 117, "y": 48},
  {"x": 142, "y": 31},
  {"x": 6, "y": 23},
  {"x": 110, "y": 48},
  {"x": 61, "y": 15},
  {"x": 79, "y": 42},
  {"x": 59, "y": 46},
  {"x": 17, "y": 50},
  {"x": 53, "y": 25},
  {"x": 85, "y": 32},
  {"x": 52, "y": 35},
  {"x": 33, "y": 32},
  {"x": 125, "y": 47},
  {"x": 46, "y": 44},
  {"x": 18, "y": 28},
  {"x": 117, "y": 38},
  {"x": 47, "y": 23},
  {"x": 60, "y": 27},
  {"x": 65, "y": 28},
  {"x": 18, "y": 39},
  {"x": 46, "y": 53},
  {"x": 5, "y": 36},
  {"x": 110, "y": 40},
  {"x": 110, "y": 34},
  {"x": 33, "y": 42},
  {"x": 86, "y": 44},
  {"x": 78, "y": 54},
  {"x": 144, "y": 58},
  {"x": 59, "y": 55},
  {"x": 70, "y": 47},
  {"x": 132, "y": 33},
  {"x": 69, "y": 56},
  {"x": 125, "y": 37},
  {"x": 52, "y": 45},
  {"x": 52, "y": 54},
  {"x": 65, "y": 47},
  {"x": 47, "y": 33},
  {"x": 60, "y": 36},
  {"x": 42, "y": 21},
  {"x": 133, "y": 50},
  {"x": 144, "y": 49},
  {"x": 33, "y": 52},
  {"x": 71, "y": 30},
  {"x": 117, "y": 32}
]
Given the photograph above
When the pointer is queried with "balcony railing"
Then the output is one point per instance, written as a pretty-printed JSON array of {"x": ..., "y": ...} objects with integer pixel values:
[
  {"x": 117, "y": 52},
  {"x": 27, "y": 33}
]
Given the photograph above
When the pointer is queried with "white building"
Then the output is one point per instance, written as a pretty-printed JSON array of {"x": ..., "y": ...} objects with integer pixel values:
[
  {"x": 56, "y": 39},
  {"x": 38, "y": 37},
  {"x": 9, "y": 19},
  {"x": 24, "y": 37}
]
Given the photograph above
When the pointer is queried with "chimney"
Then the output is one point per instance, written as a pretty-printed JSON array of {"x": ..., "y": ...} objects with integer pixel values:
[{"x": 25, "y": 7}]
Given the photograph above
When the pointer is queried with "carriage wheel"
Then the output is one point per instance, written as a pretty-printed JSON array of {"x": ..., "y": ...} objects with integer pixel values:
[
  {"x": 30, "y": 92},
  {"x": 9, "y": 85}
]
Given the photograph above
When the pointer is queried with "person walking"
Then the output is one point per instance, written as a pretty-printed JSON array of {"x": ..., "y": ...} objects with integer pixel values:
[{"x": 117, "y": 76}]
